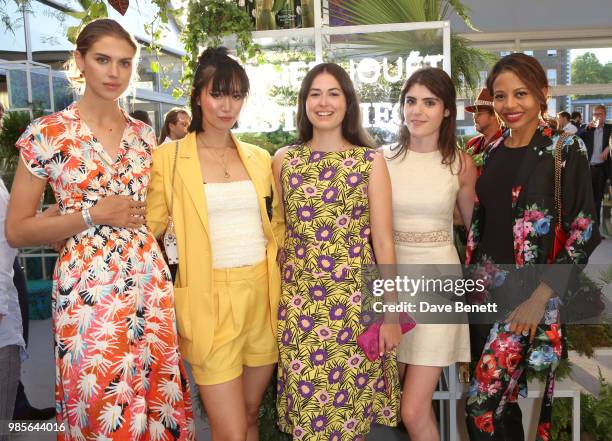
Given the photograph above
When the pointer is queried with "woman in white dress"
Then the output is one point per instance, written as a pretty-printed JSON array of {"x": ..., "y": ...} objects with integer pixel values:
[{"x": 429, "y": 177}]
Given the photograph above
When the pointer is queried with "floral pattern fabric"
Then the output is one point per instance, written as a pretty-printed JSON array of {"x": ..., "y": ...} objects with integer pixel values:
[
  {"x": 532, "y": 201},
  {"x": 499, "y": 375},
  {"x": 119, "y": 374},
  {"x": 327, "y": 388}
]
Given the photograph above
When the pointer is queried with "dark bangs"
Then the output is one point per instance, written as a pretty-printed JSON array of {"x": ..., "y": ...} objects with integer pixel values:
[{"x": 227, "y": 78}]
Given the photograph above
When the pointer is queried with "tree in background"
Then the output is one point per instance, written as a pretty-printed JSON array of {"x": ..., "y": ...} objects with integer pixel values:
[{"x": 587, "y": 69}]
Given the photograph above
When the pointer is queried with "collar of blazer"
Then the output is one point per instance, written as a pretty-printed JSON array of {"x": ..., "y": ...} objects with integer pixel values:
[{"x": 188, "y": 168}]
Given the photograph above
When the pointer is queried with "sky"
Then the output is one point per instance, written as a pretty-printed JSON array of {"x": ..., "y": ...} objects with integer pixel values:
[{"x": 603, "y": 54}]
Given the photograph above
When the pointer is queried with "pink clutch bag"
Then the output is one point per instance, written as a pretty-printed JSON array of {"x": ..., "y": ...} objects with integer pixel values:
[{"x": 368, "y": 340}]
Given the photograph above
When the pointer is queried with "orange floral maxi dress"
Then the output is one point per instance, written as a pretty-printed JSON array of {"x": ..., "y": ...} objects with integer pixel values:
[{"x": 119, "y": 374}]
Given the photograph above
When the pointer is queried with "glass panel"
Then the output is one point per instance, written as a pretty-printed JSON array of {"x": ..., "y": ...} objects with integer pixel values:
[
  {"x": 147, "y": 79},
  {"x": 551, "y": 74},
  {"x": 40, "y": 89},
  {"x": 552, "y": 107},
  {"x": 152, "y": 110},
  {"x": 378, "y": 64},
  {"x": 171, "y": 70},
  {"x": 18, "y": 97},
  {"x": 269, "y": 113},
  {"x": 585, "y": 104},
  {"x": 18, "y": 89},
  {"x": 63, "y": 93}
]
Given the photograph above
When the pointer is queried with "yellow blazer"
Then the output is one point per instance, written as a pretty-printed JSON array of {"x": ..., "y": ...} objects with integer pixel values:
[{"x": 193, "y": 286}]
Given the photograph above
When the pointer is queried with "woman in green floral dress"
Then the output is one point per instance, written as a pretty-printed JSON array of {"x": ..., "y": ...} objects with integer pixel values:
[{"x": 327, "y": 388}]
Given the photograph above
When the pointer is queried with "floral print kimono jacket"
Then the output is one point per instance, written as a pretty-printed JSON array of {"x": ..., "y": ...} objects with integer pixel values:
[{"x": 533, "y": 211}]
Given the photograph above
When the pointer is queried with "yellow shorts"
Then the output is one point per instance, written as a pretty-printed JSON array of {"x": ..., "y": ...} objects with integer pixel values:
[{"x": 243, "y": 334}]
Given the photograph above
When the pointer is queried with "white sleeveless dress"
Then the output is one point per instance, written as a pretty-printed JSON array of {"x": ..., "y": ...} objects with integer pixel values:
[{"x": 424, "y": 196}]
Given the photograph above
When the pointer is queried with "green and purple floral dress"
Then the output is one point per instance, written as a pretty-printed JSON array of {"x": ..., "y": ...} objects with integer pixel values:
[{"x": 327, "y": 388}]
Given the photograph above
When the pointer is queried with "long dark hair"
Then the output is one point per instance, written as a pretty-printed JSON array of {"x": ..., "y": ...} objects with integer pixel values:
[
  {"x": 440, "y": 84},
  {"x": 227, "y": 75},
  {"x": 528, "y": 69},
  {"x": 171, "y": 118},
  {"x": 352, "y": 129}
]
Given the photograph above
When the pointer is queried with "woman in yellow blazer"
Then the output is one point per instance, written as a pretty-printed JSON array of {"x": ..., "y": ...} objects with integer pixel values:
[{"x": 228, "y": 283}]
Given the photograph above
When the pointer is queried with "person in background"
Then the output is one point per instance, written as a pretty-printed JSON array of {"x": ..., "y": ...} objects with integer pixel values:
[
  {"x": 564, "y": 123},
  {"x": 12, "y": 344},
  {"x": 176, "y": 125},
  {"x": 142, "y": 115},
  {"x": 576, "y": 120},
  {"x": 23, "y": 409},
  {"x": 485, "y": 123},
  {"x": 119, "y": 374},
  {"x": 597, "y": 138}
]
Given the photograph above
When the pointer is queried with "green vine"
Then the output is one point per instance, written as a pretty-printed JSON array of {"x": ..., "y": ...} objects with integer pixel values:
[
  {"x": 208, "y": 21},
  {"x": 92, "y": 10}
]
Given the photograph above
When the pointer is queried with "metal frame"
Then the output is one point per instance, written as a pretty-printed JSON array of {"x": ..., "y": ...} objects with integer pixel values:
[
  {"x": 558, "y": 39},
  {"x": 322, "y": 30},
  {"x": 28, "y": 66}
]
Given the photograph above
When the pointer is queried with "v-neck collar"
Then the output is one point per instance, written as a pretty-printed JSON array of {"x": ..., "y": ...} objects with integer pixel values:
[{"x": 72, "y": 112}]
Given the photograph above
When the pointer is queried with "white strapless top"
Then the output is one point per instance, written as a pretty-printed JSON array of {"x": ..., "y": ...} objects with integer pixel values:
[{"x": 236, "y": 233}]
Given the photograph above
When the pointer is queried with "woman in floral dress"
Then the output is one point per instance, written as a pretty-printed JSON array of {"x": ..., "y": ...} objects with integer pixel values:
[
  {"x": 119, "y": 374},
  {"x": 327, "y": 388},
  {"x": 513, "y": 224}
]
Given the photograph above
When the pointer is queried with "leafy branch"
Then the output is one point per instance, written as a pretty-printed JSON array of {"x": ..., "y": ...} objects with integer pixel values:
[
  {"x": 208, "y": 21},
  {"x": 8, "y": 22}
]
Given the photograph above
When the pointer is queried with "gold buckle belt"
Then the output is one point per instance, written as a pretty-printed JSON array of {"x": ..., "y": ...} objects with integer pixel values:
[{"x": 401, "y": 237}]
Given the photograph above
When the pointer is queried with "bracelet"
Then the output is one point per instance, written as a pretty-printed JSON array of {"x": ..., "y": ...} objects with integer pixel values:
[{"x": 87, "y": 218}]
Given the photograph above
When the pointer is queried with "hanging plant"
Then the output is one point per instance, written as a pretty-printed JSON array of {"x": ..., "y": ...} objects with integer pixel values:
[{"x": 208, "y": 21}]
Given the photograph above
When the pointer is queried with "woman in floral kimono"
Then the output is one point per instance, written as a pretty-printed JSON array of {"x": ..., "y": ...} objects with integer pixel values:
[{"x": 513, "y": 223}]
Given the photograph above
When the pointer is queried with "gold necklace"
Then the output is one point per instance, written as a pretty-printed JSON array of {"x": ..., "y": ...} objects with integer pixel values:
[{"x": 220, "y": 158}]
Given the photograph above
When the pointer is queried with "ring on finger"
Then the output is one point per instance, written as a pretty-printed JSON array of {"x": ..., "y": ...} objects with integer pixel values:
[{"x": 525, "y": 332}]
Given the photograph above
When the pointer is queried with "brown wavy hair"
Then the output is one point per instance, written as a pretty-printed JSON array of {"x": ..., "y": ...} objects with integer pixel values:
[
  {"x": 528, "y": 69},
  {"x": 440, "y": 84},
  {"x": 352, "y": 128}
]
